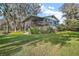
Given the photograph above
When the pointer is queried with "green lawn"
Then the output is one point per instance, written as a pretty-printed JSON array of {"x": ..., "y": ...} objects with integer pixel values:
[{"x": 61, "y": 43}]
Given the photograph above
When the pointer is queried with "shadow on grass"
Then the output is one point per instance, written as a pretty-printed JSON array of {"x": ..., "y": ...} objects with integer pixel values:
[
  {"x": 10, "y": 50},
  {"x": 11, "y": 39},
  {"x": 63, "y": 38},
  {"x": 12, "y": 45},
  {"x": 60, "y": 38},
  {"x": 57, "y": 39}
]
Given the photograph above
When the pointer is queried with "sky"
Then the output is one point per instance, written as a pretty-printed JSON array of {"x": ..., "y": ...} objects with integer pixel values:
[{"x": 51, "y": 9}]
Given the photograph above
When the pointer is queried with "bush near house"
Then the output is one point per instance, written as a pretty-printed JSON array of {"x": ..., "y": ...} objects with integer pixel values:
[{"x": 70, "y": 25}]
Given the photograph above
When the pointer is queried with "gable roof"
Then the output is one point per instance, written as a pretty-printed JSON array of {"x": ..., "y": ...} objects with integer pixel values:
[
  {"x": 34, "y": 18},
  {"x": 52, "y": 16}
]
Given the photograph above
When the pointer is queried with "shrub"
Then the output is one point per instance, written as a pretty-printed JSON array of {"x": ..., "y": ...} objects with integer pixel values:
[
  {"x": 34, "y": 30},
  {"x": 61, "y": 27},
  {"x": 72, "y": 24},
  {"x": 49, "y": 30}
]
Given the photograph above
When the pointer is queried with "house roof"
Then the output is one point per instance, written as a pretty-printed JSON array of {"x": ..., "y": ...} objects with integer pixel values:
[
  {"x": 52, "y": 16},
  {"x": 37, "y": 18},
  {"x": 32, "y": 18}
]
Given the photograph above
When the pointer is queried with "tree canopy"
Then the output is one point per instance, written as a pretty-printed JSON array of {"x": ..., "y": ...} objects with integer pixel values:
[
  {"x": 70, "y": 10},
  {"x": 16, "y": 13}
]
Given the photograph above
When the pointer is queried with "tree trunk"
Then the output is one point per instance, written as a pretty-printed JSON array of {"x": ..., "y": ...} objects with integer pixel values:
[
  {"x": 15, "y": 29},
  {"x": 24, "y": 27},
  {"x": 7, "y": 26},
  {"x": 15, "y": 26}
]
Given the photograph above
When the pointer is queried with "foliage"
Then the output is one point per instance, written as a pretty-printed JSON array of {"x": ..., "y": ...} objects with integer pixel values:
[
  {"x": 62, "y": 27},
  {"x": 72, "y": 24},
  {"x": 70, "y": 10},
  {"x": 14, "y": 14},
  {"x": 71, "y": 13},
  {"x": 34, "y": 30}
]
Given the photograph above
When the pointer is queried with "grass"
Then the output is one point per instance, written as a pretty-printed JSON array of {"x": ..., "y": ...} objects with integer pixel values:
[{"x": 60, "y": 43}]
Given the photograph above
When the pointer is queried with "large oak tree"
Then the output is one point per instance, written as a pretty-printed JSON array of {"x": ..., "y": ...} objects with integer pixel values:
[{"x": 17, "y": 12}]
